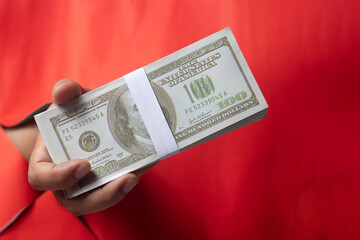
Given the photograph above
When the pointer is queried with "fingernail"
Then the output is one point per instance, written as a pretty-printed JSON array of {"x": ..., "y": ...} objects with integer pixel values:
[
  {"x": 81, "y": 171},
  {"x": 130, "y": 184}
]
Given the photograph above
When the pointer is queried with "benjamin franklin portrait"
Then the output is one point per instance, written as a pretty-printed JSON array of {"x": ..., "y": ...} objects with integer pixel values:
[{"x": 127, "y": 125}]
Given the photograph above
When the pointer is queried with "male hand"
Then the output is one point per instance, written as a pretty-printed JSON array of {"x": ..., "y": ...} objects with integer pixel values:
[{"x": 43, "y": 174}]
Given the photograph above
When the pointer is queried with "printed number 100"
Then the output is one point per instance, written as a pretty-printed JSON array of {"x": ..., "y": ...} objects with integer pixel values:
[
  {"x": 231, "y": 100},
  {"x": 200, "y": 88}
]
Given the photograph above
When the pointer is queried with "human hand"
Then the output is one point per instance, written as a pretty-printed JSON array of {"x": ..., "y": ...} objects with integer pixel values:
[{"x": 43, "y": 174}]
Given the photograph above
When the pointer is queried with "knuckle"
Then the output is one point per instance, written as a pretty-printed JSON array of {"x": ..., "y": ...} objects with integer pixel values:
[{"x": 34, "y": 180}]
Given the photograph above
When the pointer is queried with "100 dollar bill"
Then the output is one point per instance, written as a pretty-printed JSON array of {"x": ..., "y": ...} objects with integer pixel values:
[{"x": 204, "y": 90}]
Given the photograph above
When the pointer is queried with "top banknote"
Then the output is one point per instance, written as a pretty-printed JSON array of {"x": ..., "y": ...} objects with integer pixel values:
[{"x": 202, "y": 91}]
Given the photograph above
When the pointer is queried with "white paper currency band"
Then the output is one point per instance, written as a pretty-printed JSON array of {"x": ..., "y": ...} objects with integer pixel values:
[{"x": 151, "y": 113}]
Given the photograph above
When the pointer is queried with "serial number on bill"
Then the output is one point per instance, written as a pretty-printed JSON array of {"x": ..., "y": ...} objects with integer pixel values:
[{"x": 206, "y": 102}]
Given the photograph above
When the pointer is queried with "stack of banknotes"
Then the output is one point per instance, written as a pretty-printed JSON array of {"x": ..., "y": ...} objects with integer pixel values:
[{"x": 203, "y": 90}]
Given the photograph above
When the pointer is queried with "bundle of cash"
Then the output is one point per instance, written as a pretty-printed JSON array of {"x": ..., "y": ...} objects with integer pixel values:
[{"x": 204, "y": 90}]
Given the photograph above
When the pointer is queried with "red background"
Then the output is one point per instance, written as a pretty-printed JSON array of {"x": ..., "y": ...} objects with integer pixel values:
[{"x": 293, "y": 175}]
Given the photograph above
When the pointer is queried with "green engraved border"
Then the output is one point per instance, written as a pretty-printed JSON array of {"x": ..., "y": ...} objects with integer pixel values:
[
  {"x": 251, "y": 102},
  {"x": 180, "y": 136},
  {"x": 188, "y": 58},
  {"x": 63, "y": 117},
  {"x": 120, "y": 164}
]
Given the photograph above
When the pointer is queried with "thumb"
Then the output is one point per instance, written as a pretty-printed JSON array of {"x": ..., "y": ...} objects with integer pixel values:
[{"x": 65, "y": 90}]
